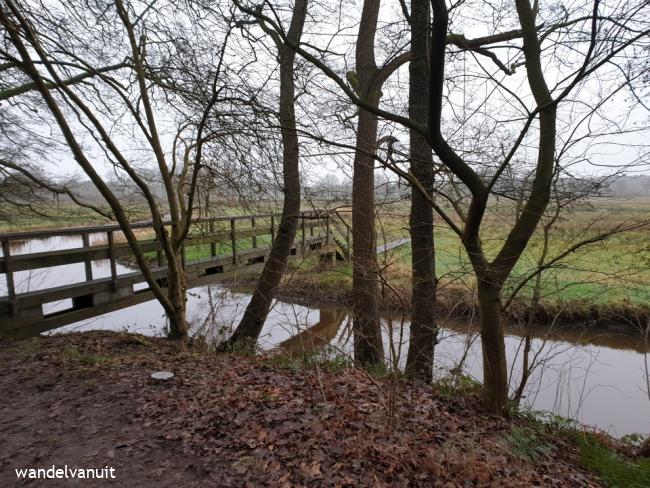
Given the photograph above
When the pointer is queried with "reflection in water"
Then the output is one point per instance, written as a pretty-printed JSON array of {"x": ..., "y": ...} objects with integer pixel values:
[
  {"x": 597, "y": 377},
  {"x": 316, "y": 337}
]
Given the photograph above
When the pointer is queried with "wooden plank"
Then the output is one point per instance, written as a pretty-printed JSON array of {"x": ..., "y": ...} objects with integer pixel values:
[
  {"x": 97, "y": 285},
  {"x": 102, "y": 229},
  {"x": 9, "y": 276},
  {"x": 233, "y": 241},
  {"x": 59, "y": 319},
  {"x": 24, "y": 262},
  {"x": 111, "y": 258},
  {"x": 88, "y": 265},
  {"x": 66, "y": 317}
]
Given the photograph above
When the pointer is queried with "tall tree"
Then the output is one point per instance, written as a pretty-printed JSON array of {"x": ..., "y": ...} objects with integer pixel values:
[
  {"x": 368, "y": 345},
  {"x": 492, "y": 273},
  {"x": 367, "y": 81},
  {"x": 54, "y": 53},
  {"x": 423, "y": 329},
  {"x": 613, "y": 39},
  {"x": 258, "y": 308}
]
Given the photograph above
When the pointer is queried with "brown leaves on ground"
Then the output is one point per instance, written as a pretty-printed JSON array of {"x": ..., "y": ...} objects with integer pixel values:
[{"x": 238, "y": 421}]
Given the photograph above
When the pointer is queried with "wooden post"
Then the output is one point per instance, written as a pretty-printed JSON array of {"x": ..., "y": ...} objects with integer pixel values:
[
  {"x": 233, "y": 241},
  {"x": 9, "y": 276},
  {"x": 213, "y": 245},
  {"x": 327, "y": 228},
  {"x": 88, "y": 265},
  {"x": 254, "y": 236},
  {"x": 272, "y": 229},
  {"x": 111, "y": 258},
  {"x": 302, "y": 225},
  {"x": 311, "y": 227}
]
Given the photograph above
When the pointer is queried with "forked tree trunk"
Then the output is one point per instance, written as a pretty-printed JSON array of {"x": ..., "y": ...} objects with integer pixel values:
[
  {"x": 246, "y": 334},
  {"x": 419, "y": 361}
]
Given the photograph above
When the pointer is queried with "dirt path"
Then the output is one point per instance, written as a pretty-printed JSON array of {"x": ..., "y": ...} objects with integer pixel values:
[{"x": 87, "y": 401}]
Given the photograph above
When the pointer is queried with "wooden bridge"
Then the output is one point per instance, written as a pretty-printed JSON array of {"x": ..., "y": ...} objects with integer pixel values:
[{"x": 217, "y": 248}]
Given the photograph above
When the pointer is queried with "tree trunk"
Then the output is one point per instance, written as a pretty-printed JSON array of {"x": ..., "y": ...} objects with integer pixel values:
[
  {"x": 495, "y": 367},
  {"x": 368, "y": 346},
  {"x": 177, "y": 294},
  {"x": 419, "y": 360},
  {"x": 246, "y": 334}
]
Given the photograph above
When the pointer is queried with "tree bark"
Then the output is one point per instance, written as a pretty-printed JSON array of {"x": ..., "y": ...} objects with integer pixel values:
[
  {"x": 177, "y": 293},
  {"x": 250, "y": 326},
  {"x": 495, "y": 366},
  {"x": 368, "y": 345},
  {"x": 422, "y": 341}
]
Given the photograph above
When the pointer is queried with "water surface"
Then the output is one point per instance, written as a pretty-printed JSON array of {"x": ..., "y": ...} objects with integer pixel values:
[{"x": 599, "y": 378}]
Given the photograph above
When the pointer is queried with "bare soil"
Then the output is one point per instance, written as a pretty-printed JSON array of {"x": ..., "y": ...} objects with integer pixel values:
[{"x": 87, "y": 400}]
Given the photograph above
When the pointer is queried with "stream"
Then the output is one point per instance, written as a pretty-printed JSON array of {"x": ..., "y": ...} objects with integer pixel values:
[{"x": 598, "y": 377}]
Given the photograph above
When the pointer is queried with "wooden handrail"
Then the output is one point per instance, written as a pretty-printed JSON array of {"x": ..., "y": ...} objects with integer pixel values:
[
  {"x": 62, "y": 292},
  {"x": 24, "y": 262},
  {"x": 104, "y": 228}
]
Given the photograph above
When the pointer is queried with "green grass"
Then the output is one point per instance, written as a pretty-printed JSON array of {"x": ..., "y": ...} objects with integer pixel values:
[
  {"x": 526, "y": 444},
  {"x": 194, "y": 253},
  {"x": 58, "y": 215},
  {"x": 596, "y": 455},
  {"x": 613, "y": 272},
  {"x": 62, "y": 216},
  {"x": 615, "y": 469}
]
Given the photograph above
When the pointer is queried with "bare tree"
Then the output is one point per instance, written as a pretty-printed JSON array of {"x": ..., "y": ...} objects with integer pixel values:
[
  {"x": 608, "y": 38},
  {"x": 419, "y": 361},
  {"x": 57, "y": 56},
  {"x": 258, "y": 308}
]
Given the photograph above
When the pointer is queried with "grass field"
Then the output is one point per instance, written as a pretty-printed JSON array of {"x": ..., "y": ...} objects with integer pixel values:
[{"x": 615, "y": 271}]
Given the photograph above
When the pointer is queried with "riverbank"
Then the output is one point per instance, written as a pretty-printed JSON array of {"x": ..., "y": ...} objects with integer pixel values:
[
  {"x": 312, "y": 284},
  {"x": 87, "y": 400}
]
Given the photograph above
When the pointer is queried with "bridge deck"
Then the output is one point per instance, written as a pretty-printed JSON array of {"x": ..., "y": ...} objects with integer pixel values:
[{"x": 22, "y": 315}]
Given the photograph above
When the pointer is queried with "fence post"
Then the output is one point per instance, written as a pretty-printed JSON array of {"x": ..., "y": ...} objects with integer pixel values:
[
  {"x": 327, "y": 228},
  {"x": 302, "y": 225},
  {"x": 9, "y": 275},
  {"x": 254, "y": 236},
  {"x": 233, "y": 241},
  {"x": 213, "y": 245},
  {"x": 111, "y": 257},
  {"x": 88, "y": 266}
]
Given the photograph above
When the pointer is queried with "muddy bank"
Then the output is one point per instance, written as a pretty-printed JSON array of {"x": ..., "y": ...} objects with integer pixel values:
[
  {"x": 87, "y": 400},
  {"x": 306, "y": 288}
]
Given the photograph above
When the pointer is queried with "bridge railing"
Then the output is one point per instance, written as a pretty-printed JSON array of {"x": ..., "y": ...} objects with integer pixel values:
[
  {"x": 224, "y": 244},
  {"x": 219, "y": 233}
]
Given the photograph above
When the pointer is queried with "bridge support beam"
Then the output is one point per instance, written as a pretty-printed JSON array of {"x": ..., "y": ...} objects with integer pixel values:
[
  {"x": 327, "y": 259},
  {"x": 105, "y": 297},
  {"x": 19, "y": 318}
]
